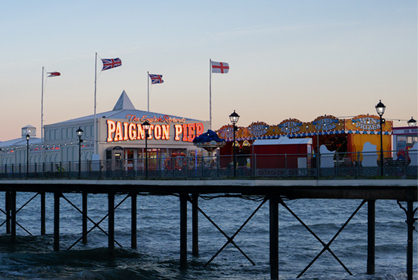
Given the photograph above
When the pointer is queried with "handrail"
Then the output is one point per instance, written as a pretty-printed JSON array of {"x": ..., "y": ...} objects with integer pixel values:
[{"x": 295, "y": 166}]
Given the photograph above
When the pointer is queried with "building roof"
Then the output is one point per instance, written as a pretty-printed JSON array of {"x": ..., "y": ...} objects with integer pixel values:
[
  {"x": 19, "y": 142},
  {"x": 123, "y": 103},
  {"x": 122, "y": 108}
]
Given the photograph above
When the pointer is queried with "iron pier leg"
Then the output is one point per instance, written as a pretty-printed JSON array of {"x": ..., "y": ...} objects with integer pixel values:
[
  {"x": 133, "y": 221},
  {"x": 409, "y": 253},
  {"x": 57, "y": 196},
  {"x": 274, "y": 237},
  {"x": 111, "y": 230},
  {"x": 183, "y": 230},
  {"x": 371, "y": 229},
  {"x": 195, "y": 226},
  {"x": 7, "y": 212},
  {"x": 84, "y": 218},
  {"x": 13, "y": 215},
  {"x": 43, "y": 215}
]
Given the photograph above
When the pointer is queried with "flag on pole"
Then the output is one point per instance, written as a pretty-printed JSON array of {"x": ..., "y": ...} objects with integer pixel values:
[
  {"x": 156, "y": 79},
  {"x": 220, "y": 67},
  {"x": 111, "y": 63},
  {"x": 54, "y": 74}
]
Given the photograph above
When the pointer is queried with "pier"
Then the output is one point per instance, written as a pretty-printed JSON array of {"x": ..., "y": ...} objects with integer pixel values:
[{"x": 271, "y": 192}]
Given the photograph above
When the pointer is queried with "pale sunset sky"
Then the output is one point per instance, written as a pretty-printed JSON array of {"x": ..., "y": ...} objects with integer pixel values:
[{"x": 288, "y": 59}]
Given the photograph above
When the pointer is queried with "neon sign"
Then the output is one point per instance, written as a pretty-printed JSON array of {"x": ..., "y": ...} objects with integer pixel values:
[
  {"x": 129, "y": 131},
  {"x": 163, "y": 119}
]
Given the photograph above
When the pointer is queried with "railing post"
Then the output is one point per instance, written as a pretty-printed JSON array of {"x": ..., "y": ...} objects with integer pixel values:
[
  {"x": 203, "y": 166},
  {"x": 100, "y": 169},
  {"x": 121, "y": 168},
  {"x": 358, "y": 164},
  {"x": 337, "y": 164},
  {"x": 218, "y": 165},
  {"x": 285, "y": 165},
  {"x": 255, "y": 165}
]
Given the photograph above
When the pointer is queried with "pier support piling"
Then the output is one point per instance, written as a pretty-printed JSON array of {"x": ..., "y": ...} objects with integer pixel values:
[
  {"x": 13, "y": 215},
  {"x": 371, "y": 233},
  {"x": 133, "y": 220},
  {"x": 195, "y": 225},
  {"x": 43, "y": 214},
  {"x": 57, "y": 196},
  {"x": 84, "y": 217},
  {"x": 183, "y": 230},
  {"x": 111, "y": 225},
  {"x": 7, "y": 203},
  {"x": 410, "y": 253},
  {"x": 274, "y": 237},
  {"x": 410, "y": 220}
]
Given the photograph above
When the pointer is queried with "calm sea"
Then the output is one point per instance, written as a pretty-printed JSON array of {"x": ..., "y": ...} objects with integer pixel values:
[{"x": 157, "y": 256}]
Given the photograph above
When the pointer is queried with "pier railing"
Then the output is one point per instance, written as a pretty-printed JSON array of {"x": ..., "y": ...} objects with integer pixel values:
[{"x": 283, "y": 166}]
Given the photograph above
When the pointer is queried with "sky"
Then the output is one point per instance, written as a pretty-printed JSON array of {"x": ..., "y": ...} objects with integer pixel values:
[{"x": 288, "y": 59}]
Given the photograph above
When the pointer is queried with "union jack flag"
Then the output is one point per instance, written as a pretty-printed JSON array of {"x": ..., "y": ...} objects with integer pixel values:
[
  {"x": 156, "y": 79},
  {"x": 111, "y": 63}
]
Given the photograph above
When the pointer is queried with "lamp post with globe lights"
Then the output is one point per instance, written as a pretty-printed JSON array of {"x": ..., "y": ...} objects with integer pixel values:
[
  {"x": 412, "y": 122},
  {"x": 27, "y": 155},
  {"x": 380, "y": 109},
  {"x": 234, "y": 117},
  {"x": 79, "y": 134}
]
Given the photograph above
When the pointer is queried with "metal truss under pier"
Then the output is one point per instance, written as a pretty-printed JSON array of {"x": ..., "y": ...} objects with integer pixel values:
[{"x": 274, "y": 192}]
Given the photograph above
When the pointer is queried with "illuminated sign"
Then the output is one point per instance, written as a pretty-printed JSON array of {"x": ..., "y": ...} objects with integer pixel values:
[
  {"x": 325, "y": 123},
  {"x": 290, "y": 126},
  {"x": 366, "y": 123},
  {"x": 258, "y": 129},
  {"x": 129, "y": 131},
  {"x": 163, "y": 119}
]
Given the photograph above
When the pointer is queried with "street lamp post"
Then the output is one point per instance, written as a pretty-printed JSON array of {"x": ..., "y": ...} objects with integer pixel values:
[
  {"x": 412, "y": 122},
  {"x": 234, "y": 117},
  {"x": 146, "y": 126},
  {"x": 27, "y": 155},
  {"x": 79, "y": 134},
  {"x": 380, "y": 109}
]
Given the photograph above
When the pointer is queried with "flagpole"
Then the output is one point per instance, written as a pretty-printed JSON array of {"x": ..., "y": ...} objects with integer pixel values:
[
  {"x": 210, "y": 94},
  {"x": 148, "y": 91},
  {"x": 42, "y": 116},
  {"x": 95, "y": 81}
]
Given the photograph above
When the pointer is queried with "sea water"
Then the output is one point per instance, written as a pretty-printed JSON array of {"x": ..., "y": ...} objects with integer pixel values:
[{"x": 158, "y": 252}]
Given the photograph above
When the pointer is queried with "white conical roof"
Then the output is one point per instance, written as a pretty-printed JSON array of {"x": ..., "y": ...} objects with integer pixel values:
[{"x": 123, "y": 103}]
